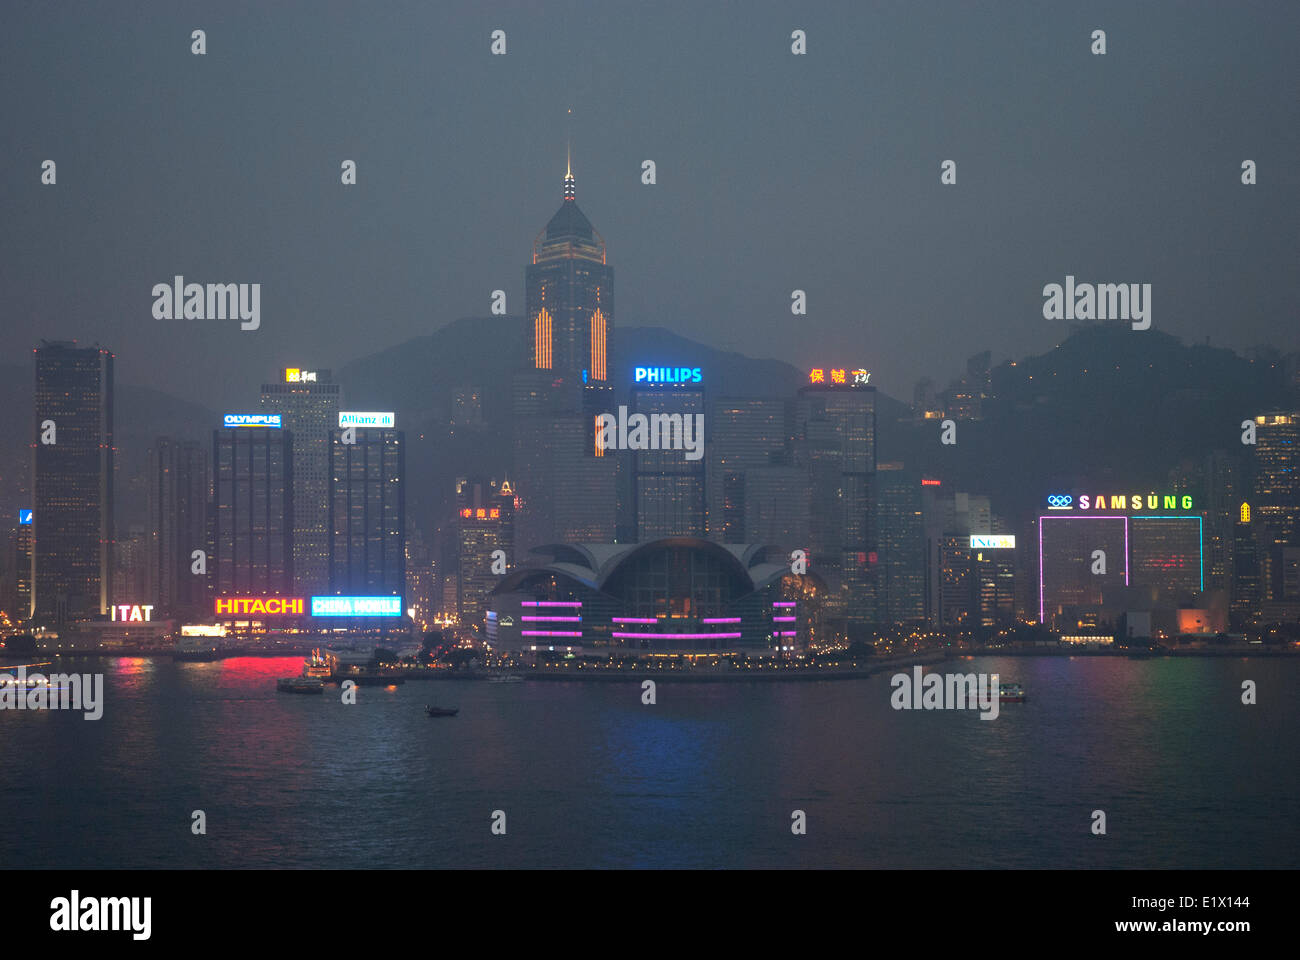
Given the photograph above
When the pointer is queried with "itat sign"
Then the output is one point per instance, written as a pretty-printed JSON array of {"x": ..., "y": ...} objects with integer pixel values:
[{"x": 131, "y": 612}]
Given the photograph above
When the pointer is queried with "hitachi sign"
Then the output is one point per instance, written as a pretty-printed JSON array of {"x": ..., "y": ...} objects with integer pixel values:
[
  {"x": 267, "y": 606},
  {"x": 667, "y": 374}
]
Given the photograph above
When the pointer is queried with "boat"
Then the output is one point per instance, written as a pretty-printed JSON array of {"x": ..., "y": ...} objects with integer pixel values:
[
  {"x": 317, "y": 666},
  {"x": 505, "y": 678},
  {"x": 195, "y": 650},
  {"x": 1011, "y": 693},
  {"x": 299, "y": 685},
  {"x": 441, "y": 711}
]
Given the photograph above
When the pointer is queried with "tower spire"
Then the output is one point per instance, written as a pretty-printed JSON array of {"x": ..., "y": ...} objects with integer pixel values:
[{"x": 570, "y": 189}]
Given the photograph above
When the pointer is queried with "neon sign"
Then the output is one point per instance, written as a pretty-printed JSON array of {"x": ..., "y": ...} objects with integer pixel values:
[
  {"x": 131, "y": 612},
  {"x": 838, "y": 376},
  {"x": 668, "y": 375},
  {"x": 356, "y": 606},
  {"x": 252, "y": 420},
  {"x": 294, "y": 375},
  {"x": 366, "y": 419},
  {"x": 268, "y": 606},
  {"x": 1120, "y": 501},
  {"x": 24, "y": 516},
  {"x": 997, "y": 541}
]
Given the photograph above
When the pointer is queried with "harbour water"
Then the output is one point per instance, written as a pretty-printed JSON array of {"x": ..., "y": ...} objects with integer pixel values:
[{"x": 589, "y": 776}]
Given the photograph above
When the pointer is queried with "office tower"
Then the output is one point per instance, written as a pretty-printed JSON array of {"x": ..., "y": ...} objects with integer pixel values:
[
  {"x": 835, "y": 416},
  {"x": 1213, "y": 482},
  {"x": 178, "y": 503},
  {"x": 953, "y": 588},
  {"x": 1276, "y": 499},
  {"x": 131, "y": 566},
  {"x": 565, "y": 485},
  {"x": 252, "y": 511},
  {"x": 367, "y": 512},
  {"x": 1166, "y": 559},
  {"x": 668, "y": 488},
  {"x": 900, "y": 545},
  {"x": 486, "y": 543},
  {"x": 745, "y": 435},
  {"x": 72, "y": 482},
  {"x": 776, "y": 508},
  {"x": 1070, "y": 593},
  {"x": 308, "y": 404},
  {"x": 1247, "y": 592},
  {"x": 19, "y": 603},
  {"x": 421, "y": 595}
]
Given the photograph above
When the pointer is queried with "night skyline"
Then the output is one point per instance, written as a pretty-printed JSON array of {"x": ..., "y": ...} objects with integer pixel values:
[{"x": 1098, "y": 169}]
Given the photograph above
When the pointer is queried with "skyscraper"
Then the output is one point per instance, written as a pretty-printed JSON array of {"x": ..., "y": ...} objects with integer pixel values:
[
  {"x": 178, "y": 503},
  {"x": 308, "y": 404},
  {"x": 668, "y": 490},
  {"x": 252, "y": 511},
  {"x": 72, "y": 482},
  {"x": 367, "y": 513},
  {"x": 1276, "y": 501},
  {"x": 565, "y": 484},
  {"x": 484, "y": 525},
  {"x": 900, "y": 545},
  {"x": 836, "y": 428},
  {"x": 746, "y": 435}
]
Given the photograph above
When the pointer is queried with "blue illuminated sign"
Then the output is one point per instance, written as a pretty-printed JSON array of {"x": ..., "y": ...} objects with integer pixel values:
[
  {"x": 24, "y": 516},
  {"x": 253, "y": 420},
  {"x": 356, "y": 606},
  {"x": 667, "y": 374}
]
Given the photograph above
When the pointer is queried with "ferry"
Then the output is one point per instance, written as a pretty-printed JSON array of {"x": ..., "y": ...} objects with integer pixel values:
[
  {"x": 1011, "y": 693},
  {"x": 299, "y": 685},
  {"x": 441, "y": 711},
  {"x": 316, "y": 666},
  {"x": 505, "y": 678}
]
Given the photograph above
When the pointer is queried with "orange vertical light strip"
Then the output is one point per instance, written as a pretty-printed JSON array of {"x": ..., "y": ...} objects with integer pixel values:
[
  {"x": 598, "y": 345},
  {"x": 542, "y": 340},
  {"x": 600, "y": 451}
]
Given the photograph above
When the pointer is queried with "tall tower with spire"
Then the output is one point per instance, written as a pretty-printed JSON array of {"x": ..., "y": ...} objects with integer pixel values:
[
  {"x": 564, "y": 483},
  {"x": 570, "y": 294}
]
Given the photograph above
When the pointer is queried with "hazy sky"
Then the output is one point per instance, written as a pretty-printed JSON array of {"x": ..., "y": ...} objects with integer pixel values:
[{"x": 775, "y": 172}]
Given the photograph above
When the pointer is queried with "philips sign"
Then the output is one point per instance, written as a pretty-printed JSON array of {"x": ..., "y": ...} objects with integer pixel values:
[
  {"x": 668, "y": 375},
  {"x": 366, "y": 420},
  {"x": 992, "y": 542},
  {"x": 253, "y": 420},
  {"x": 356, "y": 606}
]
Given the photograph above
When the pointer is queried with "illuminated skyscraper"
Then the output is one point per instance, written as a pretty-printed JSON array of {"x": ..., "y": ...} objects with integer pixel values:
[
  {"x": 835, "y": 416},
  {"x": 308, "y": 404},
  {"x": 565, "y": 486},
  {"x": 1276, "y": 501},
  {"x": 252, "y": 511},
  {"x": 484, "y": 525},
  {"x": 900, "y": 545},
  {"x": 746, "y": 436},
  {"x": 367, "y": 513},
  {"x": 668, "y": 490},
  {"x": 72, "y": 482}
]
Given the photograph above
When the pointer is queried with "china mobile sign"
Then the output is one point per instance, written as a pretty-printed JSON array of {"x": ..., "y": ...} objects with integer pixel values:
[
  {"x": 356, "y": 606},
  {"x": 259, "y": 606}
]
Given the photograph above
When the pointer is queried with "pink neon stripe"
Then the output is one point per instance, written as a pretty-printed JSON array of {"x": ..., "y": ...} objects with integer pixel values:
[
  {"x": 784, "y": 603},
  {"x": 550, "y": 633},
  {"x": 676, "y": 636},
  {"x": 784, "y": 619},
  {"x": 552, "y": 619},
  {"x": 551, "y": 603},
  {"x": 633, "y": 620},
  {"x": 721, "y": 620},
  {"x": 788, "y": 633}
]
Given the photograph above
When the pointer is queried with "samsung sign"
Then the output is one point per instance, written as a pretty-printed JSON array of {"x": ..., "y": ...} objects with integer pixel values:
[
  {"x": 667, "y": 374},
  {"x": 997, "y": 541},
  {"x": 252, "y": 420},
  {"x": 356, "y": 606},
  {"x": 366, "y": 420}
]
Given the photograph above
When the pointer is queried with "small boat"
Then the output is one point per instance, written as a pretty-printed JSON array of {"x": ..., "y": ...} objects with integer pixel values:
[
  {"x": 1011, "y": 693},
  {"x": 441, "y": 711},
  {"x": 505, "y": 678},
  {"x": 316, "y": 666},
  {"x": 299, "y": 685}
]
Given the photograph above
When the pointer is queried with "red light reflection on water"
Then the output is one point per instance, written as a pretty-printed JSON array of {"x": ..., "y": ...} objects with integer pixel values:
[{"x": 247, "y": 672}]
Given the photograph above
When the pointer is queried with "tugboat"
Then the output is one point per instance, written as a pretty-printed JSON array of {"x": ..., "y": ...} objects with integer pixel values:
[
  {"x": 1011, "y": 693},
  {"x": 441, "y": 711},
  {"x": 299, "y": 685}
]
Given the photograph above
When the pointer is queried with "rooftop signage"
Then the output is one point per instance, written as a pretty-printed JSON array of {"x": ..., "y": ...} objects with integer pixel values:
[
  {"x": 252, "y": 420},
  {"x": 352, "y": 419},
  {"x": 294, "y": 375},
  {"x": 1094, "y": 503},
  {"x": 837, "y": 376},
  {"x": 356, "y": 606},
  {"x": 259, "y": 606},
  {"x": 667, "y": 375},
  {"x": 997, "y": 541}
]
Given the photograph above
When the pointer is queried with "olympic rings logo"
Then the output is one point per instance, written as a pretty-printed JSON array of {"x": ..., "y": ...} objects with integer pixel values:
[{"x": 1060, "y": 500}]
